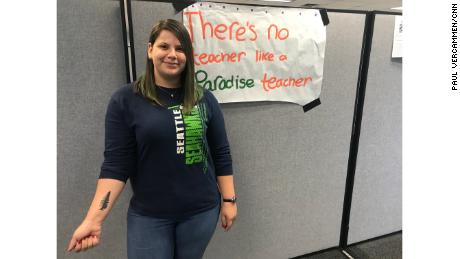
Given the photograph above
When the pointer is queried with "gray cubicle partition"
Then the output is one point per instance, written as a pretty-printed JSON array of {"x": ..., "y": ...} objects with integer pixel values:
[
  {"x": 90, "y": 67},
  {"x": 289, "y": 166},
  {"x": 376, "y": 208}
]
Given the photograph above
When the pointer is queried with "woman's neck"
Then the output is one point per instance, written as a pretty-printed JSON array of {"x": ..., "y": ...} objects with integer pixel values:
[{"x": 168, "y": 83}]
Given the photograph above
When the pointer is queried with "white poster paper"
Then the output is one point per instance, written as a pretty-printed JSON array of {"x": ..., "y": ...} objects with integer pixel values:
[{"x": 247, "y": 53}]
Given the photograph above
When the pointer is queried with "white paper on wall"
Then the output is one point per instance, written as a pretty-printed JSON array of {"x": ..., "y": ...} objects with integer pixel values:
[
  {"x": 397, "y": 37},
  {"x": 247, "y": 53}
]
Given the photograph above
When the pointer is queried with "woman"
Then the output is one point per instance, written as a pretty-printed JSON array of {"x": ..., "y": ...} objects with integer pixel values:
[{"x": 167, "y": 135}]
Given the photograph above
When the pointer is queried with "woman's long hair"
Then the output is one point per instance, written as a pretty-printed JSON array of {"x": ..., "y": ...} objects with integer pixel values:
[{"x": 146, "y": 86}]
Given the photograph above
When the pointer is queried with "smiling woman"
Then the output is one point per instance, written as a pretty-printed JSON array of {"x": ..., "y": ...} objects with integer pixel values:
[
  {"x": 166, "y": 135},
  {"x": 169, "y": 64},
  {"x": 168, "y": 59}
]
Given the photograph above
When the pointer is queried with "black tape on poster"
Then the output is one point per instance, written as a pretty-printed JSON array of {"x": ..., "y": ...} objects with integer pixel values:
[
  {"x": 311, "y": 105},
  {"x": 181, "y": 5},
  {"x": 324, "y": 16}
]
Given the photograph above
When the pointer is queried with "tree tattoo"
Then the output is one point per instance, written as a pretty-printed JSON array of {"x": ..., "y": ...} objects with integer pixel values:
[{"x": 105, "y": 201}]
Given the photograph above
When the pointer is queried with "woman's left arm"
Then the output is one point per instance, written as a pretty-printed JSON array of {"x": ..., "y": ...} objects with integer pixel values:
[
  {"x": 220, "y": 151},
  {"x": 228, "y": 210}
]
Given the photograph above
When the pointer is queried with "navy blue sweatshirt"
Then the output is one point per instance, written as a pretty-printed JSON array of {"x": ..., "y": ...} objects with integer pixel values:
[{"x": 171, "y": 159}]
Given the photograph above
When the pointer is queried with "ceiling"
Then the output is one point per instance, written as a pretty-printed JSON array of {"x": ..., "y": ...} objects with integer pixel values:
[{"x": 354, "y": 5}]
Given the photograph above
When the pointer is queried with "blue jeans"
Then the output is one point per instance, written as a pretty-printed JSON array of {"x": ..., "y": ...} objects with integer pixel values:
[{"x": 155, "y": 238}]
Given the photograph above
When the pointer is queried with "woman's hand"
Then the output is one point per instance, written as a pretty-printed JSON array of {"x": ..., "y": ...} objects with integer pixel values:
[
  {"x": 228, "y": 213},
  {"x": 86, "y": 236}
]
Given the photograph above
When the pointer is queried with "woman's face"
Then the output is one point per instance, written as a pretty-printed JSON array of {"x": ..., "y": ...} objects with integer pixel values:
[{"x": 168, "y": 57}]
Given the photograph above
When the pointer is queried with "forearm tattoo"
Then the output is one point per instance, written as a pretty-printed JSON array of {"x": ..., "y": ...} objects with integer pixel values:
[{"x": 105, "y": 201}]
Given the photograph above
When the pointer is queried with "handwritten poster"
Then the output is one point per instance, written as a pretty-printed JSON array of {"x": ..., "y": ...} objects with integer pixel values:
[{"x": 247, "y": 53}]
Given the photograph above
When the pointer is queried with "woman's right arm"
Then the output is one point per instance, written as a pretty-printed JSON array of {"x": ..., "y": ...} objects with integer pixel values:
[
  {"x": 119, "y": 163},
  {"x": 88, "y": 234}
]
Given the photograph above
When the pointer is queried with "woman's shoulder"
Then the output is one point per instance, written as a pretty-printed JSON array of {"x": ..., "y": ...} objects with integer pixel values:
[
  {"x": 211, "y": 101},
  {"x": 208, "y": 95},
  {"x": 123, "y": 93}
]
